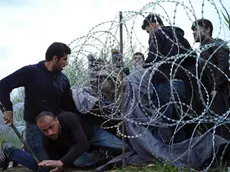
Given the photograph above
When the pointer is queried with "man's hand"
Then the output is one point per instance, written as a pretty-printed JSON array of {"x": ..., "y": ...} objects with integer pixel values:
[
  {"x": 213, "y": 93},
  {"x": 8, "y": 117},
  {"x": 57, "y": 169},
  {"x": 57, "y": 165}
]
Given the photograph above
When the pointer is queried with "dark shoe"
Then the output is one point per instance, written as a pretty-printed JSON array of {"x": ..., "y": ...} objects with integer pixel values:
[
  {"x": 4, "y": 161},
  {"x": 105, "y": 157}
]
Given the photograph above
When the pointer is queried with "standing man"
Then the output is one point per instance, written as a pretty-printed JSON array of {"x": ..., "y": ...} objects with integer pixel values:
[
  {"x": 214, "y": 62},
  {"x": 46, "y": 89},
  {"x": 166, "y": 44}
]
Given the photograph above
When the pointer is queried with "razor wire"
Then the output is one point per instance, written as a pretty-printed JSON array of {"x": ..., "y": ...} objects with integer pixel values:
[{"x": 93, "y": 66}]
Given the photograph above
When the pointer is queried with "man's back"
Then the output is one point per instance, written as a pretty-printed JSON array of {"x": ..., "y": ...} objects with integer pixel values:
[
  {"x": 72, "y": 140},
  {"x": 164, "y": 44}
]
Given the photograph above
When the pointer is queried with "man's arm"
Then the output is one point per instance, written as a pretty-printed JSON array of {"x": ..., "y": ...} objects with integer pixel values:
[
  {"x": 222, "y": 57},
  {"x": 79, "y": 143},
  {"x": 67, "y": 102},
  {"x": 17, "y": 79},
  {"x": 155, "y": 46}
]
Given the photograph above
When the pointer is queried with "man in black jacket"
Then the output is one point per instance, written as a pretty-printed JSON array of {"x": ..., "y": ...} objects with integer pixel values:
[
  {"x": 67, "y": 138},
  {"x": 168, "y": 52},
  {"x": 46, "y": 89},
  {"x": 214, "y": 71}
]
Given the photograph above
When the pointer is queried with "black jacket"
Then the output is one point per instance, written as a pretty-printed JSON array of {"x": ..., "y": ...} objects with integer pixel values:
[
  {"x": 217, "y": 55},
  {"x": 163, "y": 45},
  {"x": 73, "y": 140},
  {"x": 44, "y": 91}
]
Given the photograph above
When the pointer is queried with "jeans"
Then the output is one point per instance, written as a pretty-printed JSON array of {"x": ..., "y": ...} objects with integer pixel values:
[
  {"x": 100, "y": 139},
  {"x": 171, "y": 110},
  {"x": 21, "y": 157},
  {"x": 34, "y": 138}
]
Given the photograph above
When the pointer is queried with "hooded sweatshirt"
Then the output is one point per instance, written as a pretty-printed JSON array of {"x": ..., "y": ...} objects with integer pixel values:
[
  {"x": 44, "y": 91},
  {"x": 165, "y": 43}
]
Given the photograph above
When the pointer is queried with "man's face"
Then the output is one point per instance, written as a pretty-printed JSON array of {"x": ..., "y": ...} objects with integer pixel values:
[
  {"x": 151, "y": 28},
  {"x": 49, "y": 126},
  {"x": 200, "y": 33},
  {"x": 137, "y": 59},
  {"x": 60, "y": 64}
]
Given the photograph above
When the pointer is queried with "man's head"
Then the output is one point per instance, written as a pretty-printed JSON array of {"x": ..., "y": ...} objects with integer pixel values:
[
  {"x": 152, "y": 23},
  {"x": 116, "y": 56},
  {"x": 138, "y": 58},
  {"x": 48, "y": 124},
  {"x": 202, "y": 29},
  {"x": 56, "y": 55}
]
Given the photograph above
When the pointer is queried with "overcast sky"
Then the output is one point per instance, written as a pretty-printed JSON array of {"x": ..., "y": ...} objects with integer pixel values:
[{"x": 28, "y": 27}]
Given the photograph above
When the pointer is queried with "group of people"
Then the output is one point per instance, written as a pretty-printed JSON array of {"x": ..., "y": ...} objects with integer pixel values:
[
  {"x": 58, "y": 133},
  {"x": 194, "y": 78},
  {"x": 55, "y": 131}
]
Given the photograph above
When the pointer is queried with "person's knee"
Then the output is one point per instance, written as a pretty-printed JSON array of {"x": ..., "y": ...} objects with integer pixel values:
[{"x": 7, "y": 148}]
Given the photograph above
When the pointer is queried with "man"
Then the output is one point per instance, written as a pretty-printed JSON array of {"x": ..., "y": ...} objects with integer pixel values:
[
  {"x": 117, "y": 61},
  {"x": 166, "y": 45},
  {"x": 46, "y": 89},
  {"x": 138, "y": 61},
  {"x": 66, "y": 137},
  {"x": 214, "y": 70}
]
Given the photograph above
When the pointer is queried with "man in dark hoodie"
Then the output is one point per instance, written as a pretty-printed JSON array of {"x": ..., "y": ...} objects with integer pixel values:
[
  {"x": 46, "y": 89},
  {"x": 166, "y": 46},
  {"x": 214, "y": 62}
]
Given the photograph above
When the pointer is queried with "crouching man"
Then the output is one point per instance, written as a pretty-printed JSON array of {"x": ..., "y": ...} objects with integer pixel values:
[{"x": 67, "y": 139}]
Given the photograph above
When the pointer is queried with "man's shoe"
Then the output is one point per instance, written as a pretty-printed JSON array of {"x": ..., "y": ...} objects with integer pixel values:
[{"x": 4, "y": 161}]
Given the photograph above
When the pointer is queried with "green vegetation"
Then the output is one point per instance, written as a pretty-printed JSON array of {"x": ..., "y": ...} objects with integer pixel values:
[
  {"x": 76, "y": 71},
  {"x": 150, "y": 168},
  {"x": 226, "y": 16},
  {"x": 160, "y": 167}
]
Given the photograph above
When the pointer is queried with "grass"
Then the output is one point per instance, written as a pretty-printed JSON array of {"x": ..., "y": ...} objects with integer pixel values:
[
  {"x": 150, "y": 168},
  {"x": 10, "y": 137},
  {"x": 1, "y": 141},
  {"x": 160, "y": 167}
]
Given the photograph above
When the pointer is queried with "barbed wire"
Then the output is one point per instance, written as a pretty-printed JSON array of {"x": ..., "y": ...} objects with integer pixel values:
[{"x": 102, "y": 75}]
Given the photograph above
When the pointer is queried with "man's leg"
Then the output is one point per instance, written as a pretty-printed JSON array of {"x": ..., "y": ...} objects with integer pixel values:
[
  {"x": 19, "y": 156},
  {"x": 100, "y": 139},
  {"x": 34, "y": 139},
  {"x": 88, "y": 159},
  {"x": 104, "y": 139},
  {"x": 219, "y": 107},
  {"x": 165, "y": 96},
  {"x": 164, "y": 93}
]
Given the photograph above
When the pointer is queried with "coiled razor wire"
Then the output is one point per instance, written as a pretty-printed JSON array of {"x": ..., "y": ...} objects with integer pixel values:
[{"x": 103, "y": 75}]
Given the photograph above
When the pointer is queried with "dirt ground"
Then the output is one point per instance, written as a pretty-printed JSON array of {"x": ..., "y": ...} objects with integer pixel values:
[
  {"x": 22, "y": 169},
  {"x": 19, "y": 169}
]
